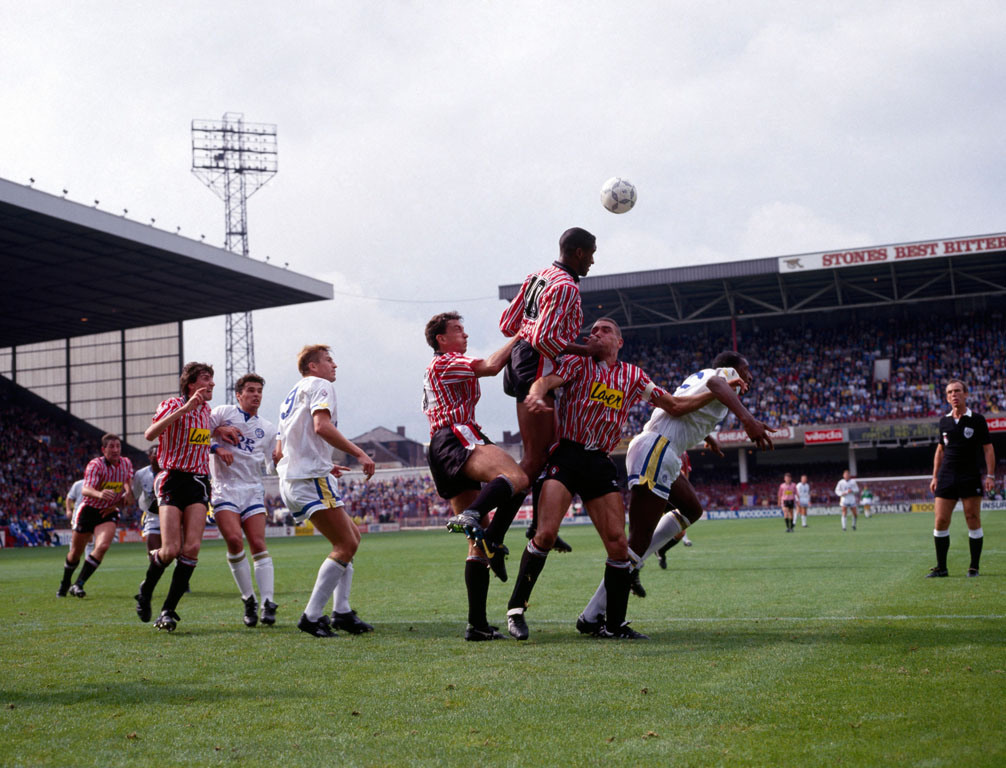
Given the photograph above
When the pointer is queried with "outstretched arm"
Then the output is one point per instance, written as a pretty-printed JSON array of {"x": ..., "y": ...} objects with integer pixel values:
[
  {"x": 535, "y": 399},
  {"x": 327, "y": 431},
  {"x": 493, "y": 364},
  {"x": 756, "y": 430}
]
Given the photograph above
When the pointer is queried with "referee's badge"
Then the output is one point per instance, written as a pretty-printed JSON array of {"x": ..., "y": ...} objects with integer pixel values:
[{"x": 969, "y": 432}]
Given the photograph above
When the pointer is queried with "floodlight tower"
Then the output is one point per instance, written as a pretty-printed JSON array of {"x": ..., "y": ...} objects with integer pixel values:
[{"x": 235, "y": 159}]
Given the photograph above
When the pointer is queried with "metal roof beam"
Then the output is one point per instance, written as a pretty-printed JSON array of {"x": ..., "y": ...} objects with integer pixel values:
[
  {"x": 982, "y": 280},
  {"x": 810, "y": 298},
  {"x": 925, "y": 285},
  {"x": 753, "y": 300}
]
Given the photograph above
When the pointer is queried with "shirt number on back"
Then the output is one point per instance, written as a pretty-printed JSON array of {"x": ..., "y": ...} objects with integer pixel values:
[{"x": 532, "y": 295}]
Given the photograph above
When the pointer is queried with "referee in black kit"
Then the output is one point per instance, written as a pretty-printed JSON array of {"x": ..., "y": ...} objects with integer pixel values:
[{"x": 964, "y": 447}]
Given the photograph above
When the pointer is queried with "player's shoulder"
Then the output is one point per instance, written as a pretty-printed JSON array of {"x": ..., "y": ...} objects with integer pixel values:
[{"x": 224, "y": 409}]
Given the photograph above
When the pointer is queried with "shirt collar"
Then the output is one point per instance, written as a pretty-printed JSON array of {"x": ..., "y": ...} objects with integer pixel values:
[
  {"x": 567, "y": 269},
  {"x": 966, "y": 413},
  {"x": 243, "y": 413}
]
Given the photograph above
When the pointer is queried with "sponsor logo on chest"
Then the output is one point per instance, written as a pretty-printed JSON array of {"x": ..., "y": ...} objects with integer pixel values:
[
  {"x": 601, "y": 393},
  {"x": 198, "y": 436}
]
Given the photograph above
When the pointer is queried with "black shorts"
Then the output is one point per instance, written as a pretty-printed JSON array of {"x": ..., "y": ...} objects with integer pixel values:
[
  {"x": 88, "y": 518},
  {"x": 447, "y": 457},
  {"x": 954, "y": 487},
  {"x": 175, "y": 488},
  {"x": 525, "y": 366},
  {"x": 590, "y": 474},
  {"x": 788, "y": 503}
]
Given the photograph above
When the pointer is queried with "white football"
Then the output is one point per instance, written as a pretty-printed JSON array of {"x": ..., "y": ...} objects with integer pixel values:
[{"x": 618, "y": 195}]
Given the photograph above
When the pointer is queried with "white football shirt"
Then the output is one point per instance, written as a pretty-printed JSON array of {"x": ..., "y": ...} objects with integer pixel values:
[
  {"x": 305, "y": 455},
  {"x": 257, "y": 437},
  {"x": 684, "y": 432}
]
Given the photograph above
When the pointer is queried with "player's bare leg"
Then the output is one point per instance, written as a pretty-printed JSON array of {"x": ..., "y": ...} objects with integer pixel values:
[
  {"x": 183, "y": 538},
  {"x": 608, "y": 515},
  {"x": 335, "y": 524},
  {"x": 537, "y": 431},
  {"x": 78, "y": 542},
  {"x": 103, "y": 535},
  {"x": 943, "y": 509},
  {"x": 504, "y": 487},
  {"x": 476, "y": 578}
]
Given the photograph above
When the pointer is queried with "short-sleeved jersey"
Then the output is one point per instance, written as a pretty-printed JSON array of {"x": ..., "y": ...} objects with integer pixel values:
[
  {"x": 803, "y": 492},
  {"x": 964, "y": 442},
  {"x": 847, "y": 490},
  {"x": 102, "y": 475},
  {"x": 185, "y": 444},
  {"x": 787, "y": 492},
  {"x": 76, "y": 493},
  {"x": 450, "y": 390},
  {"x": 257, "y": 436},
  {"x": 546, "y": 311},
  {"x": 683, "y": 432},
  {"x": 143, "y": 489},
  {"x": 305, "y": 454},
  {"x": 595, "y": 400}
]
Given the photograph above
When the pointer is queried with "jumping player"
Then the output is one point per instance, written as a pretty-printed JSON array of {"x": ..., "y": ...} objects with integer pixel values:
[
  {"x": 847, "y": 490},
  {"x": 963, "y": 455},
  {"x": 546, "y": 316},
  {"x": 654, "y": 467},
  {"x": 239, "y": 497},
  {"x": 182, "y": 426},
  {"x": 802, "y": 500},
  {"x": 468, "y": 470},
  {"x": 106, "y": 489},
  {"x": 598, "y": 393},
  {"x": 308, "y": 432},
  {"x": 686, "y": 470},
  {"x": 787, "y": 500}
]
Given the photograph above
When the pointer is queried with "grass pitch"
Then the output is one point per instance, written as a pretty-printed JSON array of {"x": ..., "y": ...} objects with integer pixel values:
[{"x": 767, "y": 648}]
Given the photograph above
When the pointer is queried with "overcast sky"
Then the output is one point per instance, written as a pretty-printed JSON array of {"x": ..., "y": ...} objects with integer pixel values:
[{"x": 430, "y": 152}]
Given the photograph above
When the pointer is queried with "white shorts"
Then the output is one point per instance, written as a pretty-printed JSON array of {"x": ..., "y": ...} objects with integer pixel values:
[
  {"x": 305, "y": 497},
  {"x": 847, "y": 503},
  {"x": 803, "y": 502},
  {"x": 247, "y": 501},
  {"x": 151, "y": 522},
  {"x": 652, "y": 463}
]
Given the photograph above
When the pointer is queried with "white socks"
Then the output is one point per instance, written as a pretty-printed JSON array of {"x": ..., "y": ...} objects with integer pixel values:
[
  {"x": 328, "y": 576},
  {"x": 667, "y": 528},
  {"x": 242, "y": 573},
  {"x": 340, "y": 598},
  {"x": 264, "y": 575}
]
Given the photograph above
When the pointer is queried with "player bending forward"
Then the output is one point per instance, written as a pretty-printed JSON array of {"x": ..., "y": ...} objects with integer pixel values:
[
  {"x": 462, "y": 459},
  {"x": 597, "y": 395},
  {"x": 308, "y": 485},
  {"x": 239, "y": 498},
  {"x": 654, "y": 467}
]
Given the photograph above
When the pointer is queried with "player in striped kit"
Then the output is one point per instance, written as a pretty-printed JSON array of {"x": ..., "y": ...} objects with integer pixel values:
[
  {"x": 468, "y": 470},
  {"x": 596, "y": 398},
  {"x": 106, "y": 488},
  {"x": 239, "y": 498},
  {"x": 546, "y": 316},
  {"x": 653, "y": 464},
  {"x": 182, "y": 425},
  {"x": 308, "y": 432},
  {"x": 787, "y": 500}
]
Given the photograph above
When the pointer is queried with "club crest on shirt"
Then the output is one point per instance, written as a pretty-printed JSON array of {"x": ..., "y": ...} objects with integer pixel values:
[
  {"x": 260, "y": 433},
  {"x": 969, "y": 432},
  {"x": 198, "y": 436},
  {"x": 600, "y": 393}
]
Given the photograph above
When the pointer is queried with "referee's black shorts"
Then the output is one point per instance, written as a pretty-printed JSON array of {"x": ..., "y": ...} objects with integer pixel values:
[
  {"x": 447, "y": 457},
  {"x": 958, "y": 487},
  {"x": 588, "y": 473}
]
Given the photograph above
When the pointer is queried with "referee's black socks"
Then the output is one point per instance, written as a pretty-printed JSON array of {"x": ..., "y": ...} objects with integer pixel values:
[
  {"x": 975, "y": 539},
  {"x": 942, "y": 541}
]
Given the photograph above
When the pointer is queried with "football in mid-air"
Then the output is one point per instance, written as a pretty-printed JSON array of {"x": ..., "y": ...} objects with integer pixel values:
[{"x": 618, "y": 195}]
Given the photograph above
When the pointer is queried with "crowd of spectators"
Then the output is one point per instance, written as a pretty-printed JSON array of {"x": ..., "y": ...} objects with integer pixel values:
[{"x": 826, "y": 375}]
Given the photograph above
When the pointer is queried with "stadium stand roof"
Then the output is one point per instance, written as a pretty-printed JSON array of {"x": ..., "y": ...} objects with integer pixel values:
[
  {"x": 70, "y": 270},
  {"x": 886, "y": 275}
]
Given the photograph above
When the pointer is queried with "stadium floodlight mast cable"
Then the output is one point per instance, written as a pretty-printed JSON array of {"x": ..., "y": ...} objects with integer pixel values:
[{"x": 235, "y": 159}]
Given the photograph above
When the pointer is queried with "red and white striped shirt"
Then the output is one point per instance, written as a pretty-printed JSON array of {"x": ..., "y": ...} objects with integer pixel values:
[
  {"x": 595, "y": 400},
  {"x": 100, "y": 475},
  {"x": 546, "y": 312},
  {"x": 450, "y": 391},
  {"x": 185, "y": 444}
]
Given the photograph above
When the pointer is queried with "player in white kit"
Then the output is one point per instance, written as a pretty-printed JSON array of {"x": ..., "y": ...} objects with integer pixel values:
[
  {"x": 653, "y": 465},
  {"x": 308, "y": 485},
  {"x": 847, "y": 491},
  {"x": 239, "y": 498},
  {"x": 146, "y": 500},
  {"x": 802, "y": 500}
]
